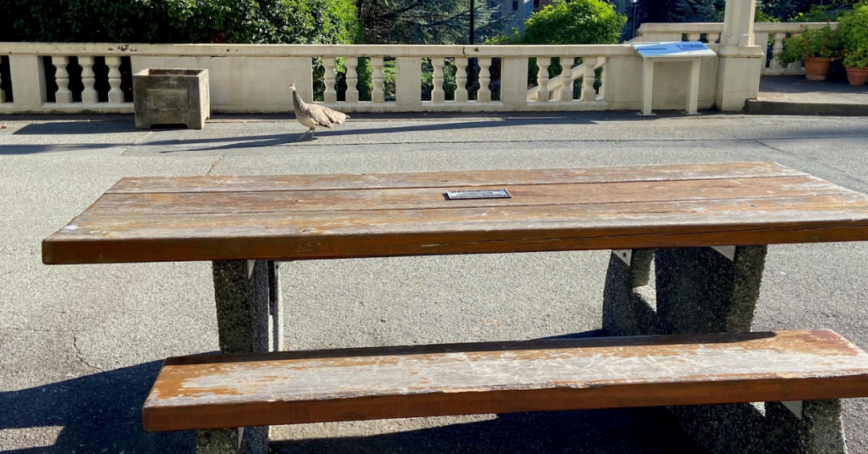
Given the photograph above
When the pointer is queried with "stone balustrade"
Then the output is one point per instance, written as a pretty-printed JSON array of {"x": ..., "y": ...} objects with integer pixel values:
[
  {"x": 765, "y": 33},
  {"x": 253, "y": 78}
]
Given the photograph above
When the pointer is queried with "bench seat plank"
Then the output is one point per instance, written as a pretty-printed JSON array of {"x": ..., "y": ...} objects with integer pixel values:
[
  {"x": 340, "y": 216},
  {"x": 202, "y": 392}
]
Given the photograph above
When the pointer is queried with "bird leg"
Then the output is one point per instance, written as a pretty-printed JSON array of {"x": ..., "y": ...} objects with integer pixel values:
[{"x": 312, "y": 132}]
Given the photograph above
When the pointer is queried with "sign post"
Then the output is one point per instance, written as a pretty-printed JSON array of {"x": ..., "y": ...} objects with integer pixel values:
[{"x": 671, "y": 52}]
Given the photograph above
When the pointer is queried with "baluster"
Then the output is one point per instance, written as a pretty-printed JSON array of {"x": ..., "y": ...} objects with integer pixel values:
[
  {"x": 437, "y": 93},
  {"x": 352, "y": 94},
  {"x": 378, "y": 95},
  {"x": 693, "y": 36},
  {"x": 542, "y": 77},
  {"x": 63, "y": 95},
  {"x": 566, "y": 93},
  {"x": 461, "y": 79},
  {"x": 601, "y": 92},
  {"x": 115, "y": 95},
  {"x": 484, "y": 93},
  {"x": 712, "y": 37},
  {"x": 88, "y": 78},
  {"x": 330, "y": 94},
  {"x": 588, "y": 92},
  {"x": 2, "y": 93},
  {"x": 777, "y": 48}
]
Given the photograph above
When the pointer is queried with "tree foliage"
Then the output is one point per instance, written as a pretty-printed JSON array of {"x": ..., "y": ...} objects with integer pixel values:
[
  {"x": 422, "y": 21},
  {"x": 196, "y": 21},
  {"x": 664, "y": 11}
]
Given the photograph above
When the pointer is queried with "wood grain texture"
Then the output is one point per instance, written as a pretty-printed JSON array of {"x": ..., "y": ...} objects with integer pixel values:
[
  {"x": 318, "y": 217},
  {"x": 229, "y": 183},
  {"x": 200, "y": 392}
]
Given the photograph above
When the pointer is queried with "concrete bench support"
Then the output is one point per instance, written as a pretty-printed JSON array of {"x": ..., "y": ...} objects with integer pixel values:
[
  {"x": 249, "y": 308},
  {"x": 701, "y": 290}
]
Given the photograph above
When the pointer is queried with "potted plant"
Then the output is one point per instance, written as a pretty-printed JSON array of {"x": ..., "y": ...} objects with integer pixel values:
[
  {"x": 853, "y": 35},
  {"x": 856, "y": 63},
  {"x": 816, "y": 47}
]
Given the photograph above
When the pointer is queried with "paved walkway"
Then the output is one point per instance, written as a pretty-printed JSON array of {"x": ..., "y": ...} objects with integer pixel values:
[
  {"x": 81, "y": 345},
  {"x": 796, "y": 95}
]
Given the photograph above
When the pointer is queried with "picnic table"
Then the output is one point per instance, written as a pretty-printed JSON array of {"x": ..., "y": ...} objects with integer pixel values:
[{"x": 706, "y": 227}]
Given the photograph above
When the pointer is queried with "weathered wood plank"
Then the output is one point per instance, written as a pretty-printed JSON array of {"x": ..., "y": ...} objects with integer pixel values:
[
  {"x": 201, "y": 392},
  {"x": 299, "y": 236},
  {"x": 227, "y": 183},
  {"x": 650, "y": 211},
  {"x": 425, "y": 198}
]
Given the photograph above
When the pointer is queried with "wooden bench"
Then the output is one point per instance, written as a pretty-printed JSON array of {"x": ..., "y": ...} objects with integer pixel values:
[
  {"x": 208, "y": 392},
  {"x": 705, "y": 226}
]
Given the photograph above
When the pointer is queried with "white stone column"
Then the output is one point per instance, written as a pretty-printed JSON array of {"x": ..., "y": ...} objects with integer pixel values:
[
  {"x": 484, "y": 93},
  {"x": 513, "y": 83},
  {"x": 115, "y": 95},
  {"x": 408, "y": 90},
  {"x": 461, "y": 79},
  {"x": 588, "y": 92},
  {"x": 542, "y": 77},
  {"x": 565, "y": 94},
  {"x": 28, "y": 78},
  {"x": 88, "y": 78},
  {"x": 63, "y": 95},
  {"x": 438, "y": 95},
  {"x": 352, "y": 94},
  {"x": 330, "y": 95},
  {"x": 377, "y": 95},
  {"x": 738, "y": 71}
]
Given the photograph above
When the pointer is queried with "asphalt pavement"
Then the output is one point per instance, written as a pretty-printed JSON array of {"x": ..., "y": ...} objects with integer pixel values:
[{"x": 80, "y": 346}]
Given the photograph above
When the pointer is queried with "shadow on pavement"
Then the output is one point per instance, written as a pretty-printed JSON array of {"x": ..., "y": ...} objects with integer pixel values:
[
  {"x": 99, "y": 413},
  {"x": 71, "y": 128},
  {"x": 625, "y": 431}
]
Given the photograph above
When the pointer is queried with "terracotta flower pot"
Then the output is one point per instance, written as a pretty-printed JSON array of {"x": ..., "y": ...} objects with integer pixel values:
[
  {"x": 816, "y": 68},
  {"x": 857, "y": 76}
]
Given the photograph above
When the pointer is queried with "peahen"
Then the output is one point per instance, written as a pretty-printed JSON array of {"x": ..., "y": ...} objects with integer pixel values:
[{"x": 313, "y": 115}]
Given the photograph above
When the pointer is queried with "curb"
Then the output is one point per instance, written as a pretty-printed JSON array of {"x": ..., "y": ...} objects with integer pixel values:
[{"x": 756, "y": 107}]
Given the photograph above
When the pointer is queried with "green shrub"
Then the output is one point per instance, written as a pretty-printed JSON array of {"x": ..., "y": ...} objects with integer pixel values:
[
  {"x": 812, "y": 42},
  {"x": 853, "y": 28},
  {"x": 574, "y": 22},
  {"x": 179, "y": 21}
]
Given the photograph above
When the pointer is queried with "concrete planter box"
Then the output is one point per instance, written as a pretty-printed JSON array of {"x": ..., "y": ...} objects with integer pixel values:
[{"x": 171, "y": 96}]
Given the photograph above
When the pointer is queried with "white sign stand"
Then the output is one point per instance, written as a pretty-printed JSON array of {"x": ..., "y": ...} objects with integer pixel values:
[{"x": 671, "y": 52}]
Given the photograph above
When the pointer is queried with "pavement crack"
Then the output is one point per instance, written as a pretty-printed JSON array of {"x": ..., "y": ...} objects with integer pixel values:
[
  {"x": 214, "y": 164},
  {"x": 138, "y": 141},
  {"x": 79, "y": 355}
]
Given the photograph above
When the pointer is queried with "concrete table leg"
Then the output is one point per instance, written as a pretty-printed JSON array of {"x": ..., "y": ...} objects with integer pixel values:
[
  {"x": 248, "y": 320},
  {"x": 700, "y": 290}
]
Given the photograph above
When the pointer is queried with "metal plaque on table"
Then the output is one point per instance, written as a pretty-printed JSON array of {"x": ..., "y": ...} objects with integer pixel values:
[{"x": 482, "y": 194}]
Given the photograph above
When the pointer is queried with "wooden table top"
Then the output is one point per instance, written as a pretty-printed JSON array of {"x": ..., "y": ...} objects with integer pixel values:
[{"x": 297, "y": 217}]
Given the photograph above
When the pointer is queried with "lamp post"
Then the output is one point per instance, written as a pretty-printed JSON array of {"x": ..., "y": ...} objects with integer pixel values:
[
  {"x": 633, "y": 22},
  {"x": 470, "y": 69},
  {"x": 472, "y": 22}
]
